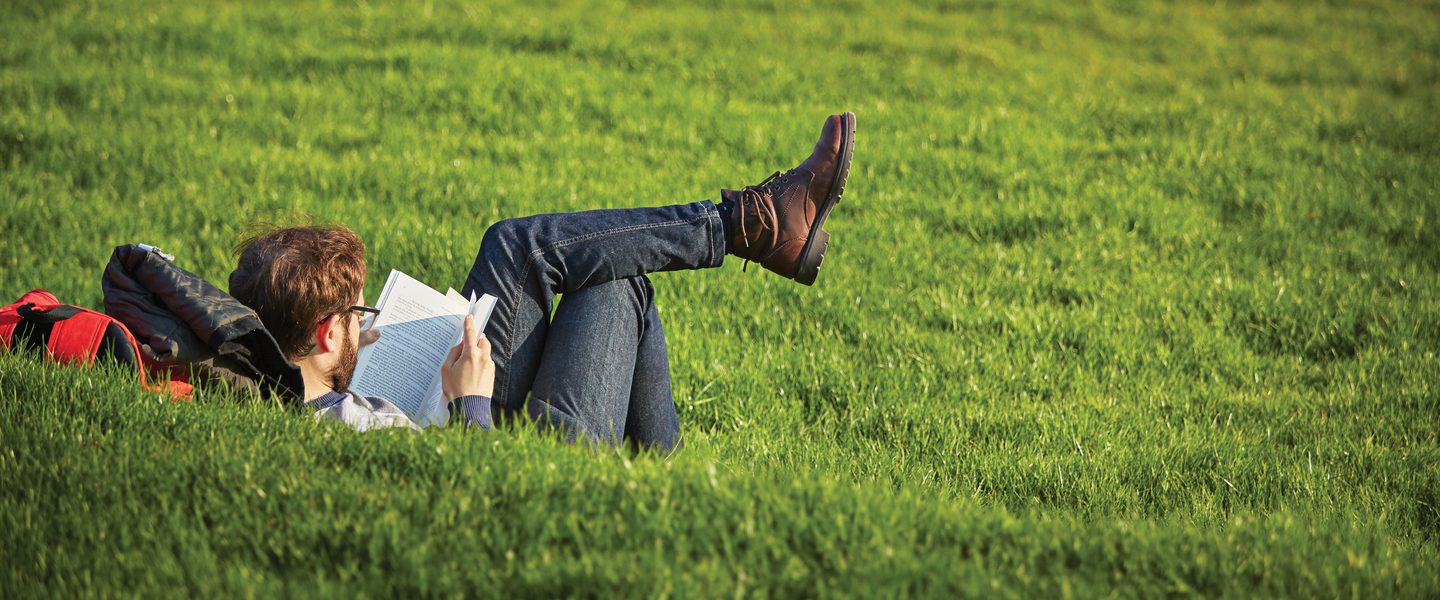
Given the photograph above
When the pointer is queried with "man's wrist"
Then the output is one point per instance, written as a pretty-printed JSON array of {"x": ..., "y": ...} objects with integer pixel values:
[{"x": 472, "y": 409}]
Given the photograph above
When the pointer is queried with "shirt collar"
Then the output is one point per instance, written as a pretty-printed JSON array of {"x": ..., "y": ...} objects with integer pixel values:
[{"x": 329, "y": 400}]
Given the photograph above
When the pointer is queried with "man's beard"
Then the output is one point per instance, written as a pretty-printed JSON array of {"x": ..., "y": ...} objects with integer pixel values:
[{"x": 345, "y": 369}]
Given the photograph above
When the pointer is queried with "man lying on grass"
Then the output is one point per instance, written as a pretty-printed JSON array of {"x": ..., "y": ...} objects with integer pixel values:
[{"x": 598, "y": 369}]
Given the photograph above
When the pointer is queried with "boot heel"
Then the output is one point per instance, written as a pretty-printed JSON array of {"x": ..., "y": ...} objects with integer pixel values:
[{"x": 810, "y": 263}]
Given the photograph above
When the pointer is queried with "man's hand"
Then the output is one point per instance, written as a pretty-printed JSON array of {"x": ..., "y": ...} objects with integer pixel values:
[{"x": 468, "y": 369}]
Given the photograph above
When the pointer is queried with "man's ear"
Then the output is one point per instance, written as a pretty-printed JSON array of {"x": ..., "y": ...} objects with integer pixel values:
[{"x": 327, "y": 334}]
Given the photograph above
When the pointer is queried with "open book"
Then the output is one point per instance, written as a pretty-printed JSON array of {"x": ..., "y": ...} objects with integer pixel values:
[{"x": 418, "y": 326}]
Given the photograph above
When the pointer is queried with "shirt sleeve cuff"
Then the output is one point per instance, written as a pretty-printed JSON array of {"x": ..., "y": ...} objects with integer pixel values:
[{"x": 476, "y": 410}]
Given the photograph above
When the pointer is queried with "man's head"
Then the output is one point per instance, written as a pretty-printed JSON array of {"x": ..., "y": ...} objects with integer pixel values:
[{"x": 302, "y": 282}]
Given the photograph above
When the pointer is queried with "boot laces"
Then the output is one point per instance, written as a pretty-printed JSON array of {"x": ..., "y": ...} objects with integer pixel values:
[{"x": 753, "y": 195}]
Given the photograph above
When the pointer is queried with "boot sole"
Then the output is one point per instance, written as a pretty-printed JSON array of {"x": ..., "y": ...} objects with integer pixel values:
[{"x": 814, "y": 251}]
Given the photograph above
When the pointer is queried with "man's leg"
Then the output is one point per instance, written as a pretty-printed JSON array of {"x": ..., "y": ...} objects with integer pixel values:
[
  {"x": 653, "y": 420},
  {"x": 526, "y": 262},
  {"x": 603, "y": 375}
]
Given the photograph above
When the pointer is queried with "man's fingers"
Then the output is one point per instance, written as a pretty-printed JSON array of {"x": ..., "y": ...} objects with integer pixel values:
[
  {"x": 469, "y": 339},
  {"x": 483, "y": 344},
  {"x": 454, "y": 354}
]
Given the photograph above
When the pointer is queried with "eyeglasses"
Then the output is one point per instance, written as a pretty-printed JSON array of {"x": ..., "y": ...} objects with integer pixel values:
[
  {"x": 361, "y": 311},
  {"x": 364, "y": 312}
]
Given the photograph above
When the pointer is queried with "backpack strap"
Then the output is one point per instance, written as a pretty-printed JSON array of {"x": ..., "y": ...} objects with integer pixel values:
[
  {"x": 76, "y": 339},
  {"x": 71, "y": 334}
]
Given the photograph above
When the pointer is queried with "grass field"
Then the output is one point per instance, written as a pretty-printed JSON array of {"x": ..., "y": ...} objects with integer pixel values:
[{"x": 1132, "y": 298}]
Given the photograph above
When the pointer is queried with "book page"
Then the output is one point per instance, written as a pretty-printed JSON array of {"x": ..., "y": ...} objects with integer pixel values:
[
  {"x": 418, "y": 326},
  {"x": 480, "y": 308}
]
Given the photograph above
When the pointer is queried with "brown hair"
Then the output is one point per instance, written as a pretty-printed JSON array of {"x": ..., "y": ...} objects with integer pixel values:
[{"x": 295, "y": 277}]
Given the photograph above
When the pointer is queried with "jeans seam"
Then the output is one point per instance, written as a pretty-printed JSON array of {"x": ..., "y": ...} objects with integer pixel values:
[
  {"x": 607, "y": 232},
  {"x": 530, "y": 260}
]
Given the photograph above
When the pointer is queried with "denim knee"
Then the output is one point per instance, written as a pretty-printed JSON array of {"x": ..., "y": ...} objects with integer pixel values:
[
  {"x": 503, "y": 243},
  {"x": 500, "y": 233}
]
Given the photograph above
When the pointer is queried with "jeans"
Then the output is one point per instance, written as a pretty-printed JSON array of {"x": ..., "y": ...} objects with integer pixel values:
[{"x": 599, "y": 369}]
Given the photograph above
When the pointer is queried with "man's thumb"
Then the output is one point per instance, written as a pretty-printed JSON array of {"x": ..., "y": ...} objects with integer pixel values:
[{"x": 469, "y": 340}]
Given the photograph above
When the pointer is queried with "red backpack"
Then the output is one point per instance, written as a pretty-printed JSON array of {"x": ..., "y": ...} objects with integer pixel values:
[{"x": 75, "y": 335}]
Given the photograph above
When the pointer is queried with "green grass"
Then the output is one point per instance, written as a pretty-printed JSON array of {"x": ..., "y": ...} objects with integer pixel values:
[{"x": 1135, "y": 298}]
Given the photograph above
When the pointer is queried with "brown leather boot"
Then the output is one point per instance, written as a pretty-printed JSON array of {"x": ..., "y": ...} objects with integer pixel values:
[{"x": 779, "y": 223}]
